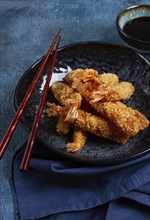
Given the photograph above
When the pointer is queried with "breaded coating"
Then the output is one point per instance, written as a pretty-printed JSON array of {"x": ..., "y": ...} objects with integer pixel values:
[
  {"x": 75, "y": 76},
  {"x": 66, "y": 95},
  {"x": 120, "y": 91},
  {"x": 69, "y": 98},
  {"x": 91, "y": 103},
  {"x": 94, "y": 87},
  {"x": 130, "y": 121},
  {"x": 88, "y": 122},
  {"x": 107, "y": 79},
  {"x": 78, "y": 75},
  {"x": 79, "y": 139},
  {"x": 63, "y": 127}
]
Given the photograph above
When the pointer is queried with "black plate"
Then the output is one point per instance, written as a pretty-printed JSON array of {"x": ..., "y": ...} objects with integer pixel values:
[{"x": 105, "y": 58}]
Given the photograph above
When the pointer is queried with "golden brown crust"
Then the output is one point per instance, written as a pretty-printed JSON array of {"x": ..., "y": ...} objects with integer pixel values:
[
  {"x": 120, "y": 91},
  {"x": 63, "y": 127},
  {"x": 66, "y": 95},
  {"x": 104, "y": 98},
  {"x": 130, "y": 121},
  {"x": 88, "y": 122},
  {"x": 94, "y": 87},
  {"x": 69, "y": 98},
  {"x": 113, "y": 120},
  {"x": 79, "y": 139}
]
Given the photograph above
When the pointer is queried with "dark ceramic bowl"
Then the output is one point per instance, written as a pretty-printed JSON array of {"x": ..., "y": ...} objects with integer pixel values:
[{"x": 126, "y": 16}]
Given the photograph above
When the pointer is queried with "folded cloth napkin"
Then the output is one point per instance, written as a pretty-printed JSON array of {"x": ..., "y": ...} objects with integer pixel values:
[{"x": 55, "y": 188}]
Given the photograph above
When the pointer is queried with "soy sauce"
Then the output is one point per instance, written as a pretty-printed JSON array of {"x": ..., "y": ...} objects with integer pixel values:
[{"x": 138, "y": 28}]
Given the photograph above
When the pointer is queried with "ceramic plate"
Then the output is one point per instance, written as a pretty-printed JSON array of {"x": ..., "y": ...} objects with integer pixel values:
[{"x": 105, "y": 58}]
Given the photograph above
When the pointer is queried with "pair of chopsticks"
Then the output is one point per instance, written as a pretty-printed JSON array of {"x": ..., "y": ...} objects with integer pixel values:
[{"x": 16, "y": 119}]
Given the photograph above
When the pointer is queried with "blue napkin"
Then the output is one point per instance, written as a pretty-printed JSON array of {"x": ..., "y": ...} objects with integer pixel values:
[{"x": 55, "y": 188}]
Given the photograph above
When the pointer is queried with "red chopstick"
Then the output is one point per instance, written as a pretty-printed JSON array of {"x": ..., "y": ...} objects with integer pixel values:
[
  {"x": 32, "y": 137},
  {"x": 25, "y": 100}
]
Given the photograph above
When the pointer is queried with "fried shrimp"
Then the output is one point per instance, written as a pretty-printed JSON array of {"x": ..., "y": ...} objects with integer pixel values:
[
  {"x": 94, "y": 87},
  {"x": 63, "y": 127},
  {"x": 71, "y": 99},
  {"x": 116, "y": 92},
  {"x": 91, "y": 102},
  {"x": 66, "y": 95},
  {"x": 79, "y": 139},
  {"x": 74, "y": 77},
  {"x": 130, "y": 121},
  {"x": 88, "y": 122}
]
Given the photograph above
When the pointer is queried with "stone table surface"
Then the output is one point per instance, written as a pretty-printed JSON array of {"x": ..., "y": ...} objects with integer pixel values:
[{"x": 27, "y": 28}]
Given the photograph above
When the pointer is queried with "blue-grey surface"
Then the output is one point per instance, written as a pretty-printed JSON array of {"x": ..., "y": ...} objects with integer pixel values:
[{"x": 27, "y": 28}]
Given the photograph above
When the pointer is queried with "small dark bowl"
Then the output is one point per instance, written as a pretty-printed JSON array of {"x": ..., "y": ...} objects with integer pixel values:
[{"x": 126, "y": 16}]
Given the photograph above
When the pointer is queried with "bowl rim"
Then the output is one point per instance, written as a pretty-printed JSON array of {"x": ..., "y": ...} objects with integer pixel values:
[{"x": 123, "y": 12}]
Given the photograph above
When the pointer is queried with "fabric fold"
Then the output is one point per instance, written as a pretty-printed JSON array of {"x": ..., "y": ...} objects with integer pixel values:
[{"x": 54, "y": 186}]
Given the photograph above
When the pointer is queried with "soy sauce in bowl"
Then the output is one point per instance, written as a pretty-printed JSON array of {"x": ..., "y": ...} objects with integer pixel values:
[
  {"x": 138, "y": 28},
  {"x": 133, "y": 25}
]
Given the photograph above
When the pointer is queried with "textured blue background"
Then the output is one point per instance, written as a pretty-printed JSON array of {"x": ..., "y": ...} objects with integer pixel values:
[{"x": 27, "y": 28}]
